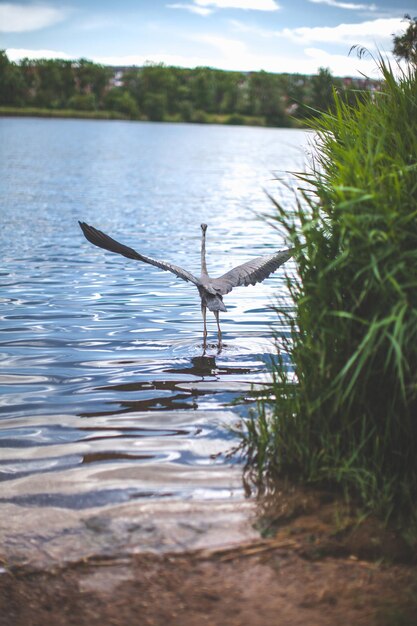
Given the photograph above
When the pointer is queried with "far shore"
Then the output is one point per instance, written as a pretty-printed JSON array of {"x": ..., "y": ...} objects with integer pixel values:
[{"x": 207, "y": 118}]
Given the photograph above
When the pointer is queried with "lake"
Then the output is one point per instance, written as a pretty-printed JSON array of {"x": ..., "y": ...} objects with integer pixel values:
[{"x": 105, "y": 394}]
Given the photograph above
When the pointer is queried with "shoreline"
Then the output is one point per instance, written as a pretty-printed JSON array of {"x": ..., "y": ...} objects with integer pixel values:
[{"x": 207, "y": 119}]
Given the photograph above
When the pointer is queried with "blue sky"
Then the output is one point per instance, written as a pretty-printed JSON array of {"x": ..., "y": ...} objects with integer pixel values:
[{"x": 274, "y": 35}]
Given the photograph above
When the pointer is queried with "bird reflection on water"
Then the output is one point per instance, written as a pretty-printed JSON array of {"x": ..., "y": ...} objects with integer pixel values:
[
  {"x": 206, "y": 365},
  {"x": 180, "y": 393}
]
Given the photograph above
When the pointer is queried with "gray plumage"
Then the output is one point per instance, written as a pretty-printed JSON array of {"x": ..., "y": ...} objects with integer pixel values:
[{"x": 211, "y": 290}]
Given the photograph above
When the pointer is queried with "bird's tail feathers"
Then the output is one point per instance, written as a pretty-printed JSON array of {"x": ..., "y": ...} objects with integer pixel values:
[{"x": 214, "y": 303}]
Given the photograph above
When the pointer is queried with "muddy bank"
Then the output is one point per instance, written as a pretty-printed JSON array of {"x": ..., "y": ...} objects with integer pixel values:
[
  {"x": 187, "y": 564},
  {"x": 276, "y": 586}
]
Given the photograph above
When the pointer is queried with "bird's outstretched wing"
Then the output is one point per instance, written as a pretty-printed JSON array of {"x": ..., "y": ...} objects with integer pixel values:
[
  {"x": 100, "y": 239},
  {"x": 251, "y": 272}
]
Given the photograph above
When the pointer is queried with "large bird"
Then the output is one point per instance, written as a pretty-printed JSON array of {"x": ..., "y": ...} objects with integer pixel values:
[{"x": 211, "y": 290}]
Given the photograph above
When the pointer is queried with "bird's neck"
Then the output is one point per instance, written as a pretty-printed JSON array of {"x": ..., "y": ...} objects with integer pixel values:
[{"x": 203, "y": 255}]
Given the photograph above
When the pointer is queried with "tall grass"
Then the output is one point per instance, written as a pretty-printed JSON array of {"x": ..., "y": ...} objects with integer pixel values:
[{"x": 350, "y": 416}]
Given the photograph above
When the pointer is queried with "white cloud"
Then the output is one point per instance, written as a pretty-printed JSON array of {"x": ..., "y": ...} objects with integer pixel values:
[
  {"x": 364, "y": 33},
  {"x": 341, "y": 64},
  {"x": 254, "y": 5},
  {"x": 206, "y": 7},
  {"x": 232, "y": 57},
  {"x": 20, "y": 18},
  {"x": 139, "y": 60},
  {"x": 228, "y": 48},
  {"x": 243, "y": 27},
  {"x": 17, "y": 54},
  {"x": 367, "y": 33},
  {"x": 192, "y": 8},
  {"x": 346, "y": 5}
]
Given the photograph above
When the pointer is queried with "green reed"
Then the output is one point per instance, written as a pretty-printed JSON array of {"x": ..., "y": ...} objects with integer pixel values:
[{"x": 349, "y": 417}]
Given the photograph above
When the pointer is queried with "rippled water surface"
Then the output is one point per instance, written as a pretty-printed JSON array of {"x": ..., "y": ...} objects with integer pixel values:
[{"x": 105, "y": 394}]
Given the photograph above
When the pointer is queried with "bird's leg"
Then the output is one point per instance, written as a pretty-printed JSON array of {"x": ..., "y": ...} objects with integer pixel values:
[
  {"x": 204, "y": 311},
  {"x": 219, "y": 332}
]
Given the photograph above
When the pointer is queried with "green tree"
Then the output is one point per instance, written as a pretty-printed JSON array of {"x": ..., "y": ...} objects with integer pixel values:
[
  {"x": 295, "y": 88},
  {"x": 322, "y": 85},
  {"x": 157, "y": 90},
  {"x": 186, "y": 110},
  {"x": 228, "y": 94},
  {"x": 120, "y": 100},
  {"x": 51, "y": 89},
  {"x": 266, "y": 98},
  {"x": 11, "y": 81},
  {"x": 91, "y": 78},
  {"x": 155, "y": 106},
  {"x": 82, "y": 102},
  {"x": 405, "y": 45},
  {"x": 203, "y": 89}
]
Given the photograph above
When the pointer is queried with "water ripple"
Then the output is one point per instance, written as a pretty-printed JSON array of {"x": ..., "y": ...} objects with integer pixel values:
[{"x": 106, "y": 395}]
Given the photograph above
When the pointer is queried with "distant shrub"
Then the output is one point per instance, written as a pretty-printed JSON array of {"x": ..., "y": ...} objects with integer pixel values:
[
  {"x": 122, "y": 101},
  {"x": 155, "y": 106},
  {"x": 186, "y": 110},
  {"x": 200, "y": 117},
  {"x": 82, "y": 102},
  {"x": 235, "y": 119}
]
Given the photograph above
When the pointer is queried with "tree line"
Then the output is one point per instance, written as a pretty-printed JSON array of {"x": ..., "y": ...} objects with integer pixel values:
[{"x": 159, "y": 93}]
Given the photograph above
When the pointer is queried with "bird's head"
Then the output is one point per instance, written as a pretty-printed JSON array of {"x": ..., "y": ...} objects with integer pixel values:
[{"x": 204, "y": 227}]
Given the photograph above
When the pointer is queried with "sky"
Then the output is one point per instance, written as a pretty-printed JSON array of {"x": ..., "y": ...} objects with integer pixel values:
[{"x": 245, "y": 35}]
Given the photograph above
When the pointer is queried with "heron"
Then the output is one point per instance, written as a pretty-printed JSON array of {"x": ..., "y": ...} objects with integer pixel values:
[{"x": 211, "y": 290}]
